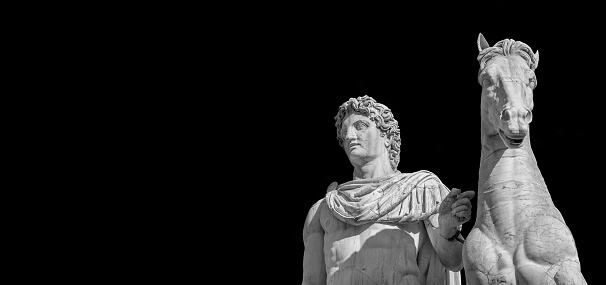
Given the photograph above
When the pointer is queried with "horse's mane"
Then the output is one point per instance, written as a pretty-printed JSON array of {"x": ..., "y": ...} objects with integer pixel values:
[{"x": 507, "y": 47}]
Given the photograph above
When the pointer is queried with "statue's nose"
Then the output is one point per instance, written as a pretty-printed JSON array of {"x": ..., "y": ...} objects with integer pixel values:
[
  {"x": 351, "y": 134},
  {"x": 516, "y": 119}
]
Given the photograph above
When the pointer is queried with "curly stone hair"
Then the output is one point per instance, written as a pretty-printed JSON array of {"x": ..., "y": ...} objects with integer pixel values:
[{"x": 381, "y": 116}]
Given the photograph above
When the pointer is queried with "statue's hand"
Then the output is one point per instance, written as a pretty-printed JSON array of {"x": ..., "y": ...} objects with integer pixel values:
[
  {"x": 332, "y": 186},
  {"x": 455, "y": 209}
]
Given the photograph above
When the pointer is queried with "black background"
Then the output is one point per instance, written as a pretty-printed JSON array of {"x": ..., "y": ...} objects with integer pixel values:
[{"x": 301, "y": 64}]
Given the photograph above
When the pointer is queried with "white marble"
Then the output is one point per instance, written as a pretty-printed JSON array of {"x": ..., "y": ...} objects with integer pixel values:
[
  {"x": 383, "y": 227},
  {"x": 519, "y": 236}
]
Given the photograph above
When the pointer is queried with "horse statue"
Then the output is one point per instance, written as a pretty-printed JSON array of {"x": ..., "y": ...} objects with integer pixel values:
[{"x": 519, "y": 236}]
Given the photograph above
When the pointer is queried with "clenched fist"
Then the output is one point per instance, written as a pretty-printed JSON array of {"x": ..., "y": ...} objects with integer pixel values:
[{"x": 455, "y": 209}]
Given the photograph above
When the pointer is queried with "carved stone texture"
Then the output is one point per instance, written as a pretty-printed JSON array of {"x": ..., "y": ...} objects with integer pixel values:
[
  {"x": 383, "y": 227},
  {"x": 519, "y": 236}
]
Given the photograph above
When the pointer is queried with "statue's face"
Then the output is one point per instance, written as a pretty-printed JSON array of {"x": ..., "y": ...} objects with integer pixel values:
[{"x": 362, "y": 139}]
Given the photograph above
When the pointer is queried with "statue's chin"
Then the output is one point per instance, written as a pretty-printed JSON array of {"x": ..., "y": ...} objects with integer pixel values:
[{"x": 512, "y": 141}]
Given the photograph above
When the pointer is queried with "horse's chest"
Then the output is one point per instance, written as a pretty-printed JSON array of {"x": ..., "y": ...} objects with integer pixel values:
[
  {"x": 483, "y": 252},
  {"x": 514, "y": 229},
  {"x": 508, "y": 208}
]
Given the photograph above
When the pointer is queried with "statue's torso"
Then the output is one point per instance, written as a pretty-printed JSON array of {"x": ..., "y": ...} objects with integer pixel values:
[{"x": 374, "y": 253}]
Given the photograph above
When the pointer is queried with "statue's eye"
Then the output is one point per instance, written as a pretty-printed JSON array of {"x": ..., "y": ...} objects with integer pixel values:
[
  {"x": 486, "y": 82},
  {"x": 360, "y": 125}
]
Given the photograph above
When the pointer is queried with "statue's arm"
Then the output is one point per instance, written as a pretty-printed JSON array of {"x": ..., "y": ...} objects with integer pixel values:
[
  {"x": 314, "y": 268},
  {"x": 449, "y": 252},
  {"x": 454, "y": 211}
]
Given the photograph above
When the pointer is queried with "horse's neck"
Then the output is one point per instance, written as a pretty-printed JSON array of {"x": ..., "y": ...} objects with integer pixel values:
[{"x": 500, "y": 164}]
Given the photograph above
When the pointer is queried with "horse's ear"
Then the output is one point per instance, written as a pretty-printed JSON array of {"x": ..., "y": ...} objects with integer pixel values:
[
  {"x": 536, "y": 59},
  {"x": 482, "y": 43}
]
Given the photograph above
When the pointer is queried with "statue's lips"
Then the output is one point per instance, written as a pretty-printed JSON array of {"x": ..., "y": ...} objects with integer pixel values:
[
  {"x": 512, "y": 140},
  {"x": 353, "y": 145}
]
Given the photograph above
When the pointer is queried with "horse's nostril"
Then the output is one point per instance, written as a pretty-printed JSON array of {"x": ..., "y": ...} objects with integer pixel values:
[
  {"x": 528, "y": 117},
  {"x": 504, "y": 116}
]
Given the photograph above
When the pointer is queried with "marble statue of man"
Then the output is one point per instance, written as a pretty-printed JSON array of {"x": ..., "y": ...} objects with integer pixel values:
[{"x": 384, "y": 226}]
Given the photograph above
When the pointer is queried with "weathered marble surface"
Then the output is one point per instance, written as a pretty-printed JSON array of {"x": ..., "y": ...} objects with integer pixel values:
[
  {"x": 519, "y": 236},
  {"x": 383, "y": 227}
]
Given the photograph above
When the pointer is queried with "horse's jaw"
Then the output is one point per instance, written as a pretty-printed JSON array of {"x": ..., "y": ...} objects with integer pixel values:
[
  {"x": 496, "y": 142},
  {"x": 499, "y": 137},
  {"x": 513, "y": 141}
]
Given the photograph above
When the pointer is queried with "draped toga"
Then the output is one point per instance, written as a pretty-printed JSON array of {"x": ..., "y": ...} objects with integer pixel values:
[{"x": 398, "y": 198}]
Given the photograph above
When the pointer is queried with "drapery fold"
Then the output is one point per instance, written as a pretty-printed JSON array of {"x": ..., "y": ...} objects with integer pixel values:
[{"x": 397, "y": 198}]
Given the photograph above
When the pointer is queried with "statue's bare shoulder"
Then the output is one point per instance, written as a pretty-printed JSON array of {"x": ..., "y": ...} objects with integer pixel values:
[
  {"x": 314, "y": 268},
  {"x": 318, "y": 215},
  {"x": 312, "y": 222}
]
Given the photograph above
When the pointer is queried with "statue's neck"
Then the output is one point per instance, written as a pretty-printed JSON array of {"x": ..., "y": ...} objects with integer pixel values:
[{"x": 375, "y": 168}]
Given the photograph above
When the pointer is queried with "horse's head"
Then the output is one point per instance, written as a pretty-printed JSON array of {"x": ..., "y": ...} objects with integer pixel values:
[{"x": 507, "y": 78}]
